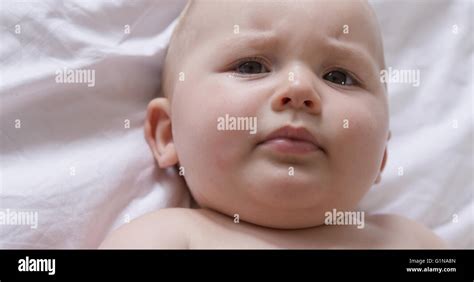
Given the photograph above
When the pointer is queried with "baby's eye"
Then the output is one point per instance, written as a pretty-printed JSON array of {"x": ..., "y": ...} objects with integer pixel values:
[
  {"x": 251, "y": 67},
  {"x": 339, "y": 77}
]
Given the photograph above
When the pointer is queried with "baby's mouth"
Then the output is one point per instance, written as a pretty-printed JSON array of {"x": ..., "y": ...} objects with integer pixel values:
[{"x": 291, "y": 140}]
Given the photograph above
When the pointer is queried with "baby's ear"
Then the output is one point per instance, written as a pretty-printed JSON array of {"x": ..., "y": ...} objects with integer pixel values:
[
  {"x": 158, "y": 132},
  {"x": 384, "y": 160}
]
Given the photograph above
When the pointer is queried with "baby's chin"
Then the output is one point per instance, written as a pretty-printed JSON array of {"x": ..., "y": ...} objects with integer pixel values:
[
  {"x": 302, "y": 191},
  {"x": 272, "y": 198},
  {"x": 277, "y": 214},
  {"x": 281, "y": 219}
]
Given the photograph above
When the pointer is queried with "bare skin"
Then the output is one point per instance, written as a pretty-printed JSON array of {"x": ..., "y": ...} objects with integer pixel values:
[
  {"x": 205, "y": 229},
  {"x": 301, "y": 69}
]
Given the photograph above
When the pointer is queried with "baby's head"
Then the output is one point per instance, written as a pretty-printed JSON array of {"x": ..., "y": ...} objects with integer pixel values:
[{"x": 309, "y": 68}]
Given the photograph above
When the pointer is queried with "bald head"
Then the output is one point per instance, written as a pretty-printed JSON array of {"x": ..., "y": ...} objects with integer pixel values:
[{"x": 213, "y": 24}]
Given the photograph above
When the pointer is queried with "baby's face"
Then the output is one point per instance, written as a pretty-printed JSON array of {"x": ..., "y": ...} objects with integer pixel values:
[{"x": 309, "y": 65}]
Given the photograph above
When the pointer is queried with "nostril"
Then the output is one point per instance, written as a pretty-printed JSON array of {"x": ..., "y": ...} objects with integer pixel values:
[
  {"x": 285, "y": 100},
  {"x": 308, "y": 103}
]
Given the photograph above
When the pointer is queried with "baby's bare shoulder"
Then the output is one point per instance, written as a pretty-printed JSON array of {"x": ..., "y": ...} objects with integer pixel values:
[
  {"x": 165, "y": 228},
  {"x": 406, "y": 233}
]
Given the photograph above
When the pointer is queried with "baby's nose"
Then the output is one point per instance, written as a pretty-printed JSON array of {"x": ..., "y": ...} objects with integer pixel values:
[{"x": 298, "y": 92}]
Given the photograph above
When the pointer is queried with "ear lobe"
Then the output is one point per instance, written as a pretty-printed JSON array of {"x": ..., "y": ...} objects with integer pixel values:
[{"x": 158, "y": 132}]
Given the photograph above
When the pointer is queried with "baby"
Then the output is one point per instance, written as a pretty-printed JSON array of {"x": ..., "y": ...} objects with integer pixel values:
[{"x": 275, "y": 115}]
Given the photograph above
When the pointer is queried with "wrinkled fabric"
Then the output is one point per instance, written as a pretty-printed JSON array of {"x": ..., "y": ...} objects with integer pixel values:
[{"x": 79, "y": 158}]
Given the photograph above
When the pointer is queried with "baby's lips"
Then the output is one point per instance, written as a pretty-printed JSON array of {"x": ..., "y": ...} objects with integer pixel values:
[
  {"x": 291, "y": 146},
  {"x": 298, "y": 135}
]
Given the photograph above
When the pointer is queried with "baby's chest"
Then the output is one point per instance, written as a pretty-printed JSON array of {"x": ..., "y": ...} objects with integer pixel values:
[{"x": 248, "y": 238}]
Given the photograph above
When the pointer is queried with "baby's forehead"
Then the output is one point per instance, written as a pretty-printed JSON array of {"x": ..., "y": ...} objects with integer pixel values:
[{"x": 314, "y": 21}]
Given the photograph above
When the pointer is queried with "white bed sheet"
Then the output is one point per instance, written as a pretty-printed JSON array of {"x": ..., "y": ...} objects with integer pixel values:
[{"x": 74, "y": 162}]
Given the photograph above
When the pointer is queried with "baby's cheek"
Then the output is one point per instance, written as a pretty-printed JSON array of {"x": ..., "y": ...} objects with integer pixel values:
[
  {"x": 205, "y": 144},
  {"x": 356, "y": 142},
  {"x": 365, "y": 131}
]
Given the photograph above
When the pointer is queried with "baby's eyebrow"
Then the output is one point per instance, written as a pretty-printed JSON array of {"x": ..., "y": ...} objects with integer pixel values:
[
  {"x": 353, "y": 56},
  {"x": 349, "y": 50},
  {"x": 264, "y": 40},
  {"x": 253, "y": 40}
]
